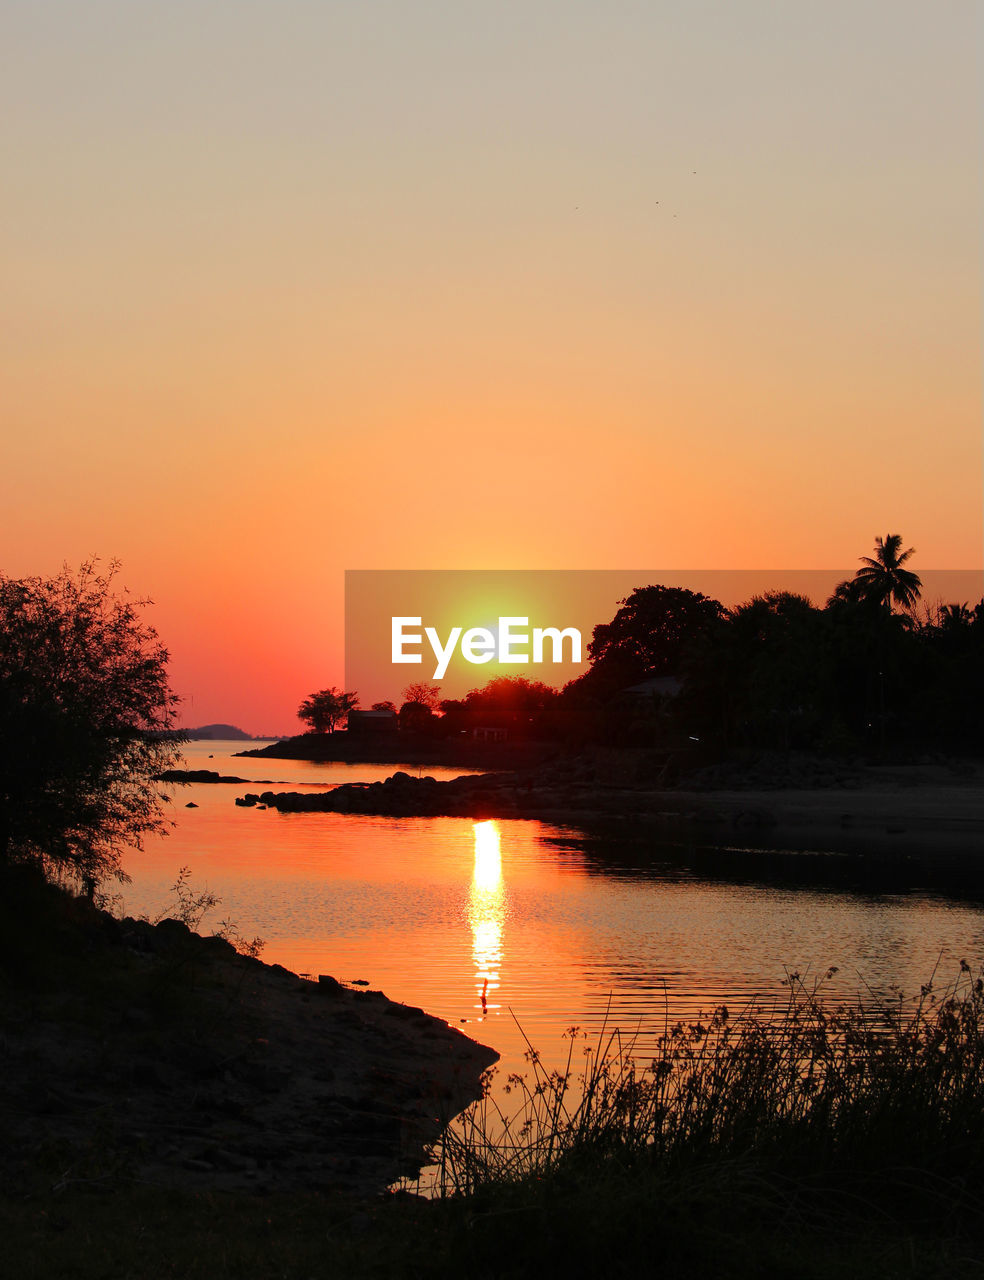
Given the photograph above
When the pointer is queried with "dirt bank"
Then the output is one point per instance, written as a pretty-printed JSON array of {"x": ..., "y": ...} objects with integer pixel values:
[{"x": 152, "y": 1054}]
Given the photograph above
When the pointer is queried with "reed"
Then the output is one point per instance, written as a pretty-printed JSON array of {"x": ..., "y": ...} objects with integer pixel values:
[{"x": 877, "y": 1087}]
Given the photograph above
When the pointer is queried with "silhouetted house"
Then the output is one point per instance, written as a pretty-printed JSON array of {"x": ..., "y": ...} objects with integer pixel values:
[
  {"x": 653, "y": 688},
  {"x": 489, "y": 733},
  {"x": 644, "y": 710},
  {"x": 373, "y": 724}
]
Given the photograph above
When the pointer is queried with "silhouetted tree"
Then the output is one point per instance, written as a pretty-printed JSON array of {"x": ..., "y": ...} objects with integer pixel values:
[
  {"x": 86, "y": 723},
  {"x": 865, "y": 633},
  {"x": 424, "y": 695},
  {"x": 323, "y": 710},
  {"x": 510, "y": 702},
  {"x": 847, "y": 592},
  {"x": 454, "y": 717},
  {"x": 882, "y": 579},
  {"x": 956, "y": 618},
  {"x": 415, "y": 717},
  {"x": 652, "y": 628},
  {"x": 949, "y": 702},
  {"x": 652, "y": 634},
  {"x": 779, "y": 680},
  {"x": 875, "y": 657}
]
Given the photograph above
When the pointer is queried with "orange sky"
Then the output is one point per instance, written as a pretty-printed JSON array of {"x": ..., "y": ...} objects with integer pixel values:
[{"x": 294, "y": 289}]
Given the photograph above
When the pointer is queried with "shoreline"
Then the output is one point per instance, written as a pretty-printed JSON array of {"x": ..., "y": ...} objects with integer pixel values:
[
  {"x": 408, "y": 748},
  {"x": 149, "y": 1053},
  {"x": 903, "y": 808}
]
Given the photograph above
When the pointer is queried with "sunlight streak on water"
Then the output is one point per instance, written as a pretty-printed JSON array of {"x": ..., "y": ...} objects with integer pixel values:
[
  {"x": 486, "y": 913},
  {"x": 488, "y": 860}
]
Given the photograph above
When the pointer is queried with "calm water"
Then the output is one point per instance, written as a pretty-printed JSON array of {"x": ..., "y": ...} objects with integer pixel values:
[{"x": 559, "y": 927}]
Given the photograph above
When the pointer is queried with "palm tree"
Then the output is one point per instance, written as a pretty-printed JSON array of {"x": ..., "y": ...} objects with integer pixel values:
[
  {"x": 954, "y": 617},
  {"x": 882, "y": 580}
]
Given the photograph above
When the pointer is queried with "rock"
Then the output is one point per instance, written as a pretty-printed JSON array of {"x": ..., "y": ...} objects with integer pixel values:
[
  {"x": 171, "y": 928},
  {"x": 218, "y": 945},
  {"x": 196, "y": 775}
]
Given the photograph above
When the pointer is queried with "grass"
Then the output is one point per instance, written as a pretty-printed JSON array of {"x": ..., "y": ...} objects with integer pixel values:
[
  {"x": 869, "y": 1087},
  {"x": 825, "y": 1135}
]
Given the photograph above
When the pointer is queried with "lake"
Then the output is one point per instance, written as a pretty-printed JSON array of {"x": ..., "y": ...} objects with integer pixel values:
[{"x": 555, "y": 926}]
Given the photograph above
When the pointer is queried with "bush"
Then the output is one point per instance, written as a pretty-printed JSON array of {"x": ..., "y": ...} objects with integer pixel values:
[{"x": 86, "y": 718}]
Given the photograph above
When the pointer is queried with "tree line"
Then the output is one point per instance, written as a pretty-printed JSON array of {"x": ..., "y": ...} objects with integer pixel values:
[{"x": 675, "y": 668}]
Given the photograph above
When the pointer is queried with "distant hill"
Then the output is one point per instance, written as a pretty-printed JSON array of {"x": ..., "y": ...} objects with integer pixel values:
[{"x": 210, "y": 731}]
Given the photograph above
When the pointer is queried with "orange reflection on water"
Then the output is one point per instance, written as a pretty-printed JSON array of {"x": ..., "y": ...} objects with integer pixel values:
[{"x": 486, "y": 912}]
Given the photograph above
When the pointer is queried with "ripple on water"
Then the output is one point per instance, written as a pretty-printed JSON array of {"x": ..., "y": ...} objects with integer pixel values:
[{"x": 556, "y": 926}]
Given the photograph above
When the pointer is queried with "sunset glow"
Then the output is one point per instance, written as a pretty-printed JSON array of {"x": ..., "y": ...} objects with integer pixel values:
[
  {"x": 290, "y": 291},
  {"x": 491, "y": 637}
]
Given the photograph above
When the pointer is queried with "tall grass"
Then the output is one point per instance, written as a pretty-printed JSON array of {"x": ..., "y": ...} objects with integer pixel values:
[{"x": 877, "y": 1087}]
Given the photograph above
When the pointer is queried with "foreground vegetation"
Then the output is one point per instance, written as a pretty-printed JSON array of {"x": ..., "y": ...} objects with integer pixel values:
[
  {"x": 827, "y": 1142},
  {"x": 833, "y": 1091}
]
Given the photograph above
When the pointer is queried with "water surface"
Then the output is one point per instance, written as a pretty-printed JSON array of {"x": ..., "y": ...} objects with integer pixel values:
[{"x": 520, "y": 929}]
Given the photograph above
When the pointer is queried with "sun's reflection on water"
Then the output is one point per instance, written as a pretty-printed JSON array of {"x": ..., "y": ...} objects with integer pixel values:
[{"x": 486, "y": 914}]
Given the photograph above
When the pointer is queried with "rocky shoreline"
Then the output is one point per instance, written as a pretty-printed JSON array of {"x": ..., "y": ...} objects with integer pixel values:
[
  {"x": 406, "y": 749},
  {"x": 901, "y": 805},
  {"x": 160, "y": 1056},
  {"x": 203, "y": 775}
]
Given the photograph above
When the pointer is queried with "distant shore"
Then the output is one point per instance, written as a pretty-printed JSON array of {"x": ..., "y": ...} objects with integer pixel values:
[{"x": 407, "y": 749}]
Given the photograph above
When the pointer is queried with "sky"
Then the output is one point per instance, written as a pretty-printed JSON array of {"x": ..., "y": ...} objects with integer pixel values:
[{"x": 296, "y": 288}]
